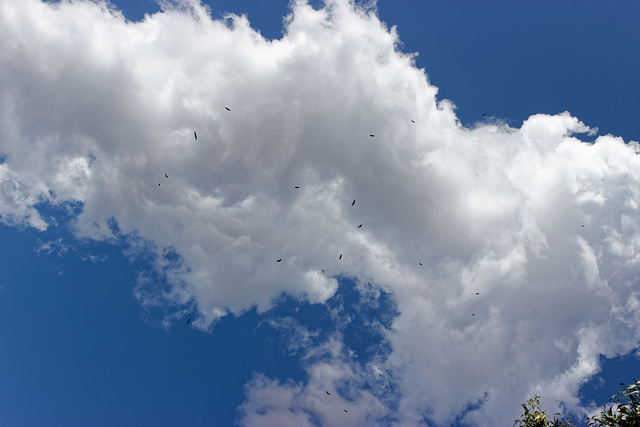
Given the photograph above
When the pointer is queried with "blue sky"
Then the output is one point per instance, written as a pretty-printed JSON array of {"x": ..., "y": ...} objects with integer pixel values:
[{"x": 102, "y": 267}]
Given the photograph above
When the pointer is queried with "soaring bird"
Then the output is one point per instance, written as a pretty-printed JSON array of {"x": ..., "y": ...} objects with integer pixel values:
[
  {"x": 327, "y": 392},
  {"x": 158, "y": 184},
  {"x": 484, "y": 114},
  {"x": 340, "y": 257},
  {"x": 189, "y": 321},
  {"x": 477, "y": 293},
  {"x": 346, "y": 410},
  {"x": 371, "y": 135},
  {"x": 420, "y": 263},
  {"x": 166, "y": 176},
  {"x": 473, "y": 314},
  {"x": 296, "y": 186},
  {"x": 227, "y": 108},
  {"x": 195, "y": 135},
  {"x": 354, "y": 202},
  {"x": 279, "y": 260},
  {"x": 413, "y": 121},
  {"x": 360, "y": 226}
]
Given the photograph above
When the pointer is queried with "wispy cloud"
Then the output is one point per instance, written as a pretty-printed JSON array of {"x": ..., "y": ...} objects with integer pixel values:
[{"x": 57, "y": 246}]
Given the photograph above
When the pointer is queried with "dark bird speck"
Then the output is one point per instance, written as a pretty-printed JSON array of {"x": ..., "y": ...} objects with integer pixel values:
[
  {"x": 419, "y": 263},
  {"x": 296, "y": 187},
  {"x": 195, "y": 135},
  {"x": 166, "y": 176},
  {"x": 158, "y": 184},
  {"x": 413, "y": 121},
  {"x": 227, "y": 108},
  {"x": 371, "y": 135},
  {"x": 279, "y": 260},
  {"x": 189, "y": 321},
  {"x": 484, "y": 114},
  {"x": 477, "y": 293},
  {"x": 327, "y": 392},
  {"x": 354, "y": 202},
  {"x": 360, "y": 226},
  {"x": 346, "y": 410},
  {"x": 340, "y": 257}
]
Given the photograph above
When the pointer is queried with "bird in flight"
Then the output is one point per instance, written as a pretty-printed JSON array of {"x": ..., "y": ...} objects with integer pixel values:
[
  {"x": 484, "y": 114},
  {"x": 340, "y": 257},
  {"x": 327, "y": 392},
  {"x": 279, "y": 260},
  {"x": 473, "y": 314},
  {"x": 371, "y": 135},
  {"x": 360, "y": 226},
  {"x": 166, "y": 176},
  {"x": 158, "y": 184},
  {"x": 195, "y": 135},
  {"x": 296, "y": 186},
  {"x": 189, "y": 321},
  {"x": 413, "y": 121},
  {"x": 227, "y": 108},
  {"x": 346, "y": 410},
  {"x": 477, "y": 293},
  {"x": 420, "y": 263},
  {"x": 354, "y": 202}
]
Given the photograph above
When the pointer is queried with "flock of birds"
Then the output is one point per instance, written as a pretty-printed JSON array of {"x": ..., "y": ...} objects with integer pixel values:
[{"x": 195, "y": 136}]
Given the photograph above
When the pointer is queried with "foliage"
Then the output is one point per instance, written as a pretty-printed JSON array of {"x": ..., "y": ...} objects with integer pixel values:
[
  {"x": 535, "y": 417},
  {"x": 625, "y": 414}
]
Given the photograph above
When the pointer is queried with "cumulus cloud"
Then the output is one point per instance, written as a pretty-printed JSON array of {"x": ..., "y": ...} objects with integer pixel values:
[
  {"x": 96, "y": 110},
  {"x": 335, "y": 384}
]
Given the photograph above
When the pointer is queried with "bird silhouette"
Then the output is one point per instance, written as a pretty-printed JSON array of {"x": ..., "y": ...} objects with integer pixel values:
[
  {"x": 477, "y": 293},
  {"x": 413, "y": 121},
  {"x": 420, "y": 263},
  {"x": 279, "y": 260},
  {"x": 296, "y": 186},
  {"x": 227, "y": 108},
  {"x": 189, "y": 321},
  {"x": 158, "y": 184},
  {"x": 484, "y": 114},
  {"x": 327, "y": 392},
  {"x": 360, "y": 226},
  {"x": 371, "y": 135},
  {"x": 166, "y": 176},
  {"x": 346, "y": 410},
  {"x": 354, "y": 202},
  {"x": 195, "y": 135},
  {"x": 340, "y": 257}
]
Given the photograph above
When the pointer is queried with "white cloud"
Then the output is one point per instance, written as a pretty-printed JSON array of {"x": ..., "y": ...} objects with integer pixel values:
[
  {"x": 58, "y": 246},
  {"x": 95, "y": 258},
  {"x": 94, "y": 109},
  {"x": 273, "y": 403},
  {"x": 17, "y": 201}
]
